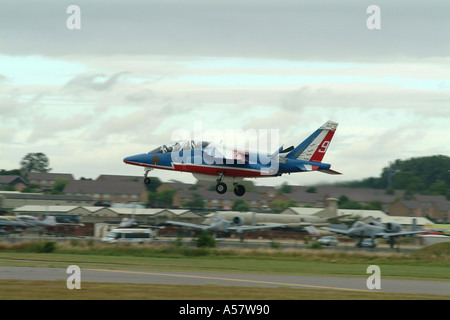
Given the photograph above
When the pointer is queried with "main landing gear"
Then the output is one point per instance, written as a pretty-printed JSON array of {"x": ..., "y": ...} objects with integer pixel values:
[{"x": 221, "y": 187}]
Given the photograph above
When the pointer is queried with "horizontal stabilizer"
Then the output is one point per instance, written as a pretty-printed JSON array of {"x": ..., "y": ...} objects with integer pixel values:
[{"x": 329, "y": 171}]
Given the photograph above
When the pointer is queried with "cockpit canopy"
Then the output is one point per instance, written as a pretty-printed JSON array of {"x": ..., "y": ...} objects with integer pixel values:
[
  {"x": 180, "y": 145},
  {"x": 358, "y": 224}
]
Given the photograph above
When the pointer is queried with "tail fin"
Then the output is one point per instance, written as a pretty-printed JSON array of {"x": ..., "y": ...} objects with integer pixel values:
[{"x": 315, "y": 146}]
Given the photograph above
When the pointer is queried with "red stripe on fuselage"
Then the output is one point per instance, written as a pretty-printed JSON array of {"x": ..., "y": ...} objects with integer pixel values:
[
  {"x": 214, "y": 170},
  {"x": 204, "y": 169}
]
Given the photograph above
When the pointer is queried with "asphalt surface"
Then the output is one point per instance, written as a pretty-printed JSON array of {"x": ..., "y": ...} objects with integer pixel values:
[{"x": 227, "y": 279}]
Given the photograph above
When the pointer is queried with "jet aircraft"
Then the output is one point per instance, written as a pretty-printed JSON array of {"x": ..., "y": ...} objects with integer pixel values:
[
  {"x": 209, "y": 161},
  {"x": 220, "y": 224},
  {"x": 11, "y": 225},
  {"x": 374, "y": 229},
  {"x": 48, "y": 223}
]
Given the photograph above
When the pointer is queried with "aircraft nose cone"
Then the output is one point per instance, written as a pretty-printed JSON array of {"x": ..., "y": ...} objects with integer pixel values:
[
  {"x": 133, "y": 159},
  {"x": 128, "y": 159}
]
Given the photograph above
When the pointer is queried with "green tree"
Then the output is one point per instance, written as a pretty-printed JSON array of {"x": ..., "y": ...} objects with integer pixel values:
[
  {"x": 154, "y": 184},
  {"x": 34, "y": 162},
  {"x": 438, "y": 188},
  {"x": 284, "y": 188},
  {"x": 163, "y": 198},
  {"x": 59, "y": 185},
  {"x": 345, "y": 203},
  {"x": 205, "y": 240},
  {"x": 196, "y": 202},
  {"x": 408, "y": 180},
  {"x": 374, "y": 205},
  {"x": 311, "y": 190},
  {"x": 279, "y": 206},
  {"x": 240, "y": 205},
  {"x": 416, "y": 175}
]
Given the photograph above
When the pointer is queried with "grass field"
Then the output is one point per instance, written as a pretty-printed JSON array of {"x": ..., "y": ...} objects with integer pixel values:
[
  {"x": 431, "y": 263},
  {"x": 57, "y": 290}
]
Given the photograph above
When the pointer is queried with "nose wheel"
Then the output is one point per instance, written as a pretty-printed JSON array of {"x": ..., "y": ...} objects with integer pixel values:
[{"x": 147, "y": 180}]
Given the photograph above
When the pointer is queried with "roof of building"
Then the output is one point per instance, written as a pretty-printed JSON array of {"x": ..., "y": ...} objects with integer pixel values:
[
  {"x": 44, "y": 196},
  {"x": 93, "y": 209},
  {"x": 301, "y": 211},
  {"x": 49, "y": 176},
  {"x": 95, "y": 186},
  {"x": 11, "y": 179},
  {"x": 117, "y": 178},
  {"x": 408, "y": 220},
  {"x": 45, "y": 209}
]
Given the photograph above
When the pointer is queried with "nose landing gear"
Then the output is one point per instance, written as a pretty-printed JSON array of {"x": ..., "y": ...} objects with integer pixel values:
[{"x": 147, "y": 180}]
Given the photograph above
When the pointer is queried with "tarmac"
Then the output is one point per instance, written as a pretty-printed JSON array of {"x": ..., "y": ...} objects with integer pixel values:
[{"x": 227, "y": 279}]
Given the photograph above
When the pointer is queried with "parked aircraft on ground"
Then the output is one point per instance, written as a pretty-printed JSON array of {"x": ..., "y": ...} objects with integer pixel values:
[
  {"x": 220, "y": 224},
  {"x": 372, "y": 230},
  {"x": 11, "y": 225},
  {"x": 49, "y": 222}
]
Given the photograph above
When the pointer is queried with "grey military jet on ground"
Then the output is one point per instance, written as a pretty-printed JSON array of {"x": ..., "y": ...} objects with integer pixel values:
[
  {"x": 30, "y": 221},
  {"x": 220, "y": 224},
  {"x": 372, "y": 230},
  {"x": 11, "y": 225}
]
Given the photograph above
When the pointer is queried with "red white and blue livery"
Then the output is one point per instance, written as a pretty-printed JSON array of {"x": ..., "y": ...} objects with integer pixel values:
[{"x": 209, "y": 161}]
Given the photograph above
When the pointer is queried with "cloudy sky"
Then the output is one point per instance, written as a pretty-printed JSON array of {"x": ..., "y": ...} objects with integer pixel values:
[{"x": 138, "y": 70}]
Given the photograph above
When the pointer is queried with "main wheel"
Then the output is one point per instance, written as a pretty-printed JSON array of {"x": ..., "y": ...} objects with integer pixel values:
[
  {"x": 239, "y": 190},
  {"x": 221, "y": 188},
  {"x": 147, "y": 181}
]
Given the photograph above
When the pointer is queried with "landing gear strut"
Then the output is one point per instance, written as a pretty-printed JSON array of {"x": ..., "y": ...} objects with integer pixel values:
[
  {"x": 146, "y": 179},
  {"x": 221, "y": 187}
]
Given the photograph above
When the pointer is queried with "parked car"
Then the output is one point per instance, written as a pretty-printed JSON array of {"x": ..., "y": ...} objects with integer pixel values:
[
  {"x": 369, "y": 243},
  {"x": 328, "y": 241},
  {"x": 129, "y": 235}
]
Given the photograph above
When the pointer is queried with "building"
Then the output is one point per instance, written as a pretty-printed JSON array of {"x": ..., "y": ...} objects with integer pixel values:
[
  {"x": 120, "y": 178},
  {"x": 46, "y": 180},
  {"x": 113, "y": 215},
  {"x": 14, "y": 199},
  {"x": 106, "y": 192},
  {"x": 435, "y": 207},
  {"x": 13, "y": 182}
]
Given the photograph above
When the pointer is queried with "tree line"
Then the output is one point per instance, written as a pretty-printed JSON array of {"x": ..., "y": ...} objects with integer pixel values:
[{"x": 424, "y": 175}]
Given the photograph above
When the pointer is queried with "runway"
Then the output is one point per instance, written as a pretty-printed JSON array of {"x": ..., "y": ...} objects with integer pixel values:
[{"x": 227, "y": 279}]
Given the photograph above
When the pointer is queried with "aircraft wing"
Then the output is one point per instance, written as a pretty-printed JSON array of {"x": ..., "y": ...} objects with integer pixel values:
[
  {"x": 253, "y": 228},
  {"x": 386, "y": 235},
  {"x": 329, "y": 171},
  {"x": 312, "y": 230},
  {"x": 191, "y": 225},
  {"x": 338, "y": 231}
]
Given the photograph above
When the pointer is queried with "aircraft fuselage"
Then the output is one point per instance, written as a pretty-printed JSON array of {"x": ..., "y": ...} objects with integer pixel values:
[{"x": 189, "y": 161}]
